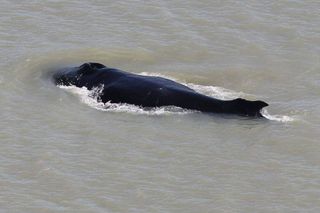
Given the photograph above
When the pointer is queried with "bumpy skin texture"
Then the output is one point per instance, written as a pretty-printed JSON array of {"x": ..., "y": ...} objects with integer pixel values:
[{"x": 150, "y": 91}]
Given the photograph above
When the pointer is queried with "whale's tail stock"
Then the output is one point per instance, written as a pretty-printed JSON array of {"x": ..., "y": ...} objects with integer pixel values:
[{"x": 247, "y": 108}]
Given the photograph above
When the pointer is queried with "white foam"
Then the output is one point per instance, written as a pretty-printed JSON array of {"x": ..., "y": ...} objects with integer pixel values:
[
  {"x": 279, "y": 118},
  {"x": 90, "y": 97},
  {"x": 216, "y": 92}
]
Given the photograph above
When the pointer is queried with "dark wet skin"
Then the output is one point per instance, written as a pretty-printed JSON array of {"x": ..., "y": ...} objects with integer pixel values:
[{"x": 149, "y": 91}]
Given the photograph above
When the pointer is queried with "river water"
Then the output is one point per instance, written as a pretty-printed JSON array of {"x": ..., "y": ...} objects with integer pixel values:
[{"x": 61, "y": 151}]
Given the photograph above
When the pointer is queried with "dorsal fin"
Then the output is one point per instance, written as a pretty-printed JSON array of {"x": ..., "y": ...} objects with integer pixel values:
[
  {"x": 96, "y": 65},
  {"x": 87, "y": 68}
]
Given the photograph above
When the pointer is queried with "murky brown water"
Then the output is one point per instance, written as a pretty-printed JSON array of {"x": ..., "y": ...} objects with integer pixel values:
[{"x": 61, "y": 151}]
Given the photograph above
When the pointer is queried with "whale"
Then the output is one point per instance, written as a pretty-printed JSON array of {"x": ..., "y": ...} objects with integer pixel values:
[{"x": 119, "y": 86}]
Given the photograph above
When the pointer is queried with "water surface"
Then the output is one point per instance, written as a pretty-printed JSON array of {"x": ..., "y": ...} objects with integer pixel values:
[{"x": 63, "y": 152}]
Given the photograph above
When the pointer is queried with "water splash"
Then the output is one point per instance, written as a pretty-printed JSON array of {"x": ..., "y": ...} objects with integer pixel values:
[
  {"x": 216, "y": 92},
  {"x": 212, "y": 91},
  {"x": 279, "y": 118},
  {"x": 91, "y": 98}
]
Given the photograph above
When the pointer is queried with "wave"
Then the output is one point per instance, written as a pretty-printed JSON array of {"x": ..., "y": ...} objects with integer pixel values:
[
  {"x": 90, "y": 98},
  {"x": 279, "y": 118},
  {"x": 212, "y": 91}
]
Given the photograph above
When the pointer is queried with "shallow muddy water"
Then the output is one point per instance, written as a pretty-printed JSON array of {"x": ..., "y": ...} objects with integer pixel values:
[{"x": 61, "y": 151}]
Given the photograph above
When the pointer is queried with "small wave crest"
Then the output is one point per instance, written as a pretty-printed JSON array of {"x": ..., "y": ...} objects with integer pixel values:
[
  {"x": 212, "y": 91},
  {"x": 91, "y": 98},
  {"x": 279, "y": 118}
]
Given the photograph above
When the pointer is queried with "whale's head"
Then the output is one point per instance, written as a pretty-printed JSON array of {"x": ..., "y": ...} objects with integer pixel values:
[{"x": 76, "y": 75}]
